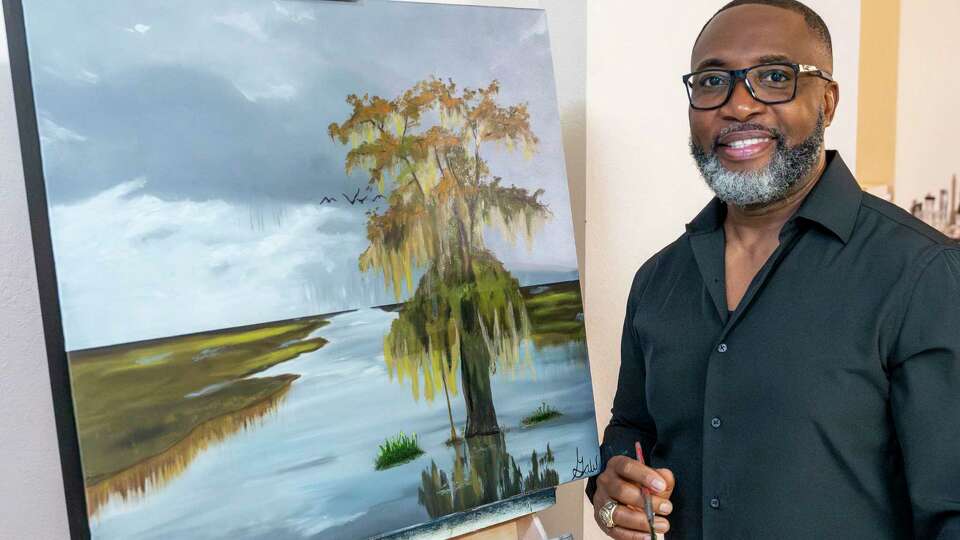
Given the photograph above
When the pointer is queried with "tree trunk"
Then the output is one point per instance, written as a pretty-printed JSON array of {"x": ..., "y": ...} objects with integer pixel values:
[
  {"x": 475, "y": 375},
  {"x": 492, "y": 470}
]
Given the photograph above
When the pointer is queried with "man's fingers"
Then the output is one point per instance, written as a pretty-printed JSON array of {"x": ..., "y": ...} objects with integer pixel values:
[
  {"x": 626, "y": 518},
  {"x": 618, "y": 533},
  {"x": 662, "y": 505},
  {"x": 622, "y": 482},
  {"x": 633, "y": 470},
  {"x": 624, "y": 492},
  {"x": 635, "y": 520},
  {"x": 667, "y": 475}
]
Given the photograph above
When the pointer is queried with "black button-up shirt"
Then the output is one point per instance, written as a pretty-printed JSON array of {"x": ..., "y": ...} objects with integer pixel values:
[{"x": 827, "y": 405}]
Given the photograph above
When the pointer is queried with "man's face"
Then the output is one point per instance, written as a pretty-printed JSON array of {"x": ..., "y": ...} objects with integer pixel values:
[{"x": 750, "y": 152}]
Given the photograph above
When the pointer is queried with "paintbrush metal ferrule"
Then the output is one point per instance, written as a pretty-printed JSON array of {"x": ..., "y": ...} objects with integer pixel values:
[{"x": 648, "y": 509}]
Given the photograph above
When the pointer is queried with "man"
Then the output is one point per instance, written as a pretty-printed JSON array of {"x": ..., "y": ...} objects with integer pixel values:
[{"x": 791, "y": 364}]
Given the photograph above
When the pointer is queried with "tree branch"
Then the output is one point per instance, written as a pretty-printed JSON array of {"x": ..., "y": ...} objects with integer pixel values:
[{"x": 436, "y": 156}]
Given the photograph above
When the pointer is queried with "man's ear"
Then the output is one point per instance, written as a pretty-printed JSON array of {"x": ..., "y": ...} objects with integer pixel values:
[{"x": 831, "y": 98}]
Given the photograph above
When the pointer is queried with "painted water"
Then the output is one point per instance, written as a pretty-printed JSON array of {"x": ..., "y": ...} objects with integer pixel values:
[{"x": 305, "y": 470}]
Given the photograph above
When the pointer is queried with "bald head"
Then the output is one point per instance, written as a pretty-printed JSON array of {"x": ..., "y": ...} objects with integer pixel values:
[
  {"x": 815, "y": 26},
  {"x": 756, "y": 29}
]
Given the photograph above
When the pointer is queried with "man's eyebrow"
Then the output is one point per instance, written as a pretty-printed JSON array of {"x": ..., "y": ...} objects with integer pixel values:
[
  {"x": 770, "y": 58},
  {"x": 765, "y": 59},
  {"x": 709, "y": 63}
]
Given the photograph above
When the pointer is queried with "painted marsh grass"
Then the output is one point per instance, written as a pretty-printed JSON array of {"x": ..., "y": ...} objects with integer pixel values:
[
  {"x": 543, "y": 413},
  {"x": 396, "y": 450}
]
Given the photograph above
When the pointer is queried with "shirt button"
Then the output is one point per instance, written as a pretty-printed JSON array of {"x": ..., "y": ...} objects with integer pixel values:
[
  {"x": 722, "y": 347},
  {"x": 715, "y": 422},
  {"x": 714, "y": 503}
]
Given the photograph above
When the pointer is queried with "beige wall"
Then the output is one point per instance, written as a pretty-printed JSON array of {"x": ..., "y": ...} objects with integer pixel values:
[
  {"x": 877, "y": 100},
  {"x": 928, "y": 82},
  {"x": 642, "y": 186}
]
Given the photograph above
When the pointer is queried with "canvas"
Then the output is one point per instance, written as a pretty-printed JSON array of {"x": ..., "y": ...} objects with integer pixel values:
[{"x": 315, "y": 268}]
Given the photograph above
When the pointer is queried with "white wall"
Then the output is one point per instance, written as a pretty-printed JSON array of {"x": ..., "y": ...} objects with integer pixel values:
[
  {"x": 927, "y": 112},
  {"x": 642, "y": 186},
  {"x": 31, "y": 490}
]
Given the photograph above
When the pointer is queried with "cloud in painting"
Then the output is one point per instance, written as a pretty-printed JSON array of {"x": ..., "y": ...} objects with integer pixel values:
[
  {"x": 138, "y": 29},
  {"x": 295, "y": 61},
  {"x": 4, "y": 55},
  {"x": 52, "y": 132},
  {"x": 88, "y": 77},
  {"x": 293, "y": 14},
  {"x": 537, "y": 30},
  {"x": 132, "y": 266},
  {"x": 244, "y": 22},
  {"x": 281, "y": 91},
  {"x": 71, "y": 74},
  {"x": 196, "y": 135}
]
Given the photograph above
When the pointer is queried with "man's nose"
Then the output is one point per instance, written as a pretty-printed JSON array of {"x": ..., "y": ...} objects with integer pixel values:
[{"x": 741, "y": 105}]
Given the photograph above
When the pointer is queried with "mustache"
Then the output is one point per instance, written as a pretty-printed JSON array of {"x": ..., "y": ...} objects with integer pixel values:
[{"x": 774, "y": 133}]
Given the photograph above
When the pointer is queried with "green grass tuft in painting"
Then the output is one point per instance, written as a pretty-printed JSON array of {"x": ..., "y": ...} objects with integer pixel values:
[
  {"x": 542, "y": 413},
  {"x": 396, "y": 450}
]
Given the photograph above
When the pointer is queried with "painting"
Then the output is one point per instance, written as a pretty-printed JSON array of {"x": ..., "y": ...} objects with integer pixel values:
[{"x": 308, "y": 267}]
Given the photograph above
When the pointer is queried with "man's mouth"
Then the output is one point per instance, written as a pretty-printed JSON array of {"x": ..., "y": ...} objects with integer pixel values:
[{"x": 745, "y": 145}]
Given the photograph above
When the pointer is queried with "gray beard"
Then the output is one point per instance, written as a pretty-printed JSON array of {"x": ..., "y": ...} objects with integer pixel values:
[{"x": 771, "y": 183}]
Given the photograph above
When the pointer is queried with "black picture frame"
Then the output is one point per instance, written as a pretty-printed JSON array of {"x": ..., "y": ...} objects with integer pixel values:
[{"x": 68, "y": 441}]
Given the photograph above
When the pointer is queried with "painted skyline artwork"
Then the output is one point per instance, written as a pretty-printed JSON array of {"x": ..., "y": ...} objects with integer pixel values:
[{"x": 314, "y": 260}]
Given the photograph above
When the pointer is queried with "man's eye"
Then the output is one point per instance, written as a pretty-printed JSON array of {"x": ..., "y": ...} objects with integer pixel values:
[
  {"x": 775, "y": 76},
  {"x": 711, "y": 81}
]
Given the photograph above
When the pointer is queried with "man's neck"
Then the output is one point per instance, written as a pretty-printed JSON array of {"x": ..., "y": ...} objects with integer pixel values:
[{"x": 753, "y": 225}]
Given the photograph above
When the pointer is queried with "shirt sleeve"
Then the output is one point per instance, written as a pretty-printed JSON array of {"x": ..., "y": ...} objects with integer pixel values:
[
  {"x": 631, "y": 420},
  {"x": 924, "y": 373}
]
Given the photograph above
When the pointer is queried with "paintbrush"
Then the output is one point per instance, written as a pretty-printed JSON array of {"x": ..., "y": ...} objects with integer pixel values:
[{"x": 647, "y": 496}]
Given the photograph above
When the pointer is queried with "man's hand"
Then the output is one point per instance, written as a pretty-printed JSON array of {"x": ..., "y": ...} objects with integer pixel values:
[{"x": 621, "y": 482}]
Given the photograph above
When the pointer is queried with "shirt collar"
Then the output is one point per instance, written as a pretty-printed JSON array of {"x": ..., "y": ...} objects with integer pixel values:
[{"x": 833, "y": 203}]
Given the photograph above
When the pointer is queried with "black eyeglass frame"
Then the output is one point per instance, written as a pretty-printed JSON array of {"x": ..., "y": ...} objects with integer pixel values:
[{"x": 736, "y": 74}]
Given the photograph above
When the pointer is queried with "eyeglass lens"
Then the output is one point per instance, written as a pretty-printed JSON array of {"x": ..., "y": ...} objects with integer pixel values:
[{"x": 769, "y": 83}]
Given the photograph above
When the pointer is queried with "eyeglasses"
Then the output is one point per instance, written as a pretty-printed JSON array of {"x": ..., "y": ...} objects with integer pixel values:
[{"x": 767, "y": 83}]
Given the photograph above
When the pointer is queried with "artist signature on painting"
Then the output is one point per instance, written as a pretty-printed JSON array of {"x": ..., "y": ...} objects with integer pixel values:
[{"x": 583, "y": 469}]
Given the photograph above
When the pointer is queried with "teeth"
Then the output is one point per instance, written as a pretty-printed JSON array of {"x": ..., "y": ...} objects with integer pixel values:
[{"x": 747, "y": 142}]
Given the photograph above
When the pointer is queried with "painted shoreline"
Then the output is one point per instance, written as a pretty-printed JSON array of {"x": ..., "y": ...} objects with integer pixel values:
[
  {"x": 156, "y": 471},
  {"x": 138, "y": 401}
]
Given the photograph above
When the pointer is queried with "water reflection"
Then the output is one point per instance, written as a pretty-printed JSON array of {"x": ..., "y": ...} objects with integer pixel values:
[{"x": 483, "y": 472}]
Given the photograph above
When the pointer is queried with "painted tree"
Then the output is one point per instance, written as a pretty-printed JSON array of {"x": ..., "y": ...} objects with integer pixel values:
[{"x": 426, "y": 149}]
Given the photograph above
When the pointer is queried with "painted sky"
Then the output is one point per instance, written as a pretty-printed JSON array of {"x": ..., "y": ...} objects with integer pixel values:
[{"x": 185, "y": 150}]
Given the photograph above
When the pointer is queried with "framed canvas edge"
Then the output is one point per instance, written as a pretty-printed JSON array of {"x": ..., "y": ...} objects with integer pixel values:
[
  {"x": 58, "y": 368},
  {"x": 475, "y": 519},
  {"x": 57, "y": 359}
]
